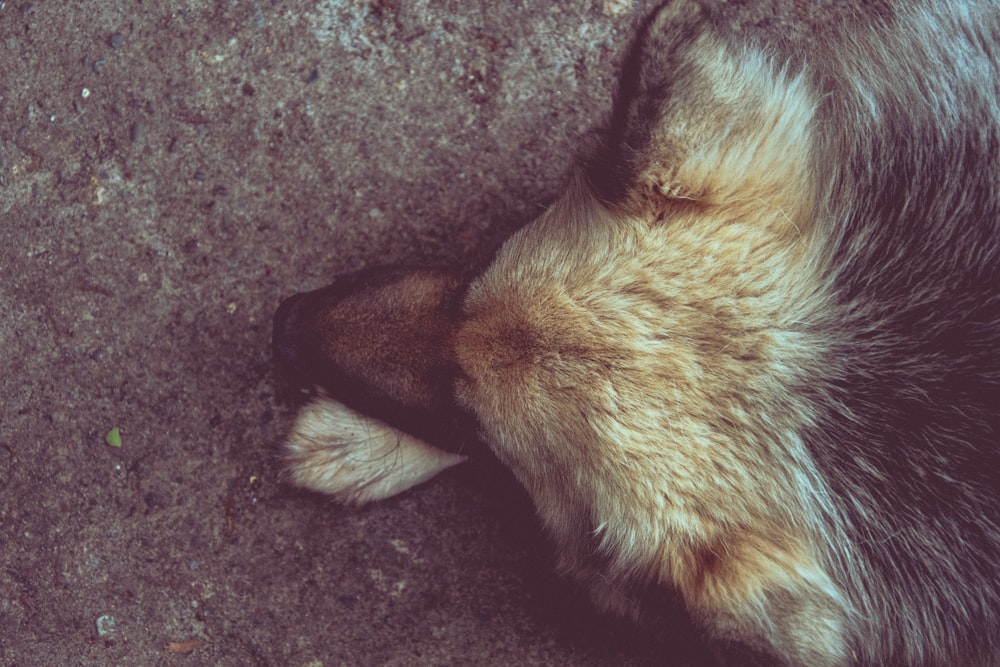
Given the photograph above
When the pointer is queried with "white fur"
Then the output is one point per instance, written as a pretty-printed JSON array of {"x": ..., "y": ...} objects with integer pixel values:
[{"x": 333, "y": 449}]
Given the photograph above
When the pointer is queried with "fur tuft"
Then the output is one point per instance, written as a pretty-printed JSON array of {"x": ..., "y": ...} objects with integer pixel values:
[{"x": 356, "y": 459}]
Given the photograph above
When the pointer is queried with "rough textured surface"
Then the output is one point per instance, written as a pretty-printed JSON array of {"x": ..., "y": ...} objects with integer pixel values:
[{"x": 168, "y": 171}]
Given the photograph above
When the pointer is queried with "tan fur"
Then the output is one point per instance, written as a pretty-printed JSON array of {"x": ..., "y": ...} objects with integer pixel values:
[
  {"x": 701, "y": 298},
  {"x": 736, "y": 134},
  {"x": 563, "y": 351}
]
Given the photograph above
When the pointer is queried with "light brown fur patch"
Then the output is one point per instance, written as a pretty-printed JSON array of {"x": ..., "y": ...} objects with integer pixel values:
[{"x": 632, "y": 365}]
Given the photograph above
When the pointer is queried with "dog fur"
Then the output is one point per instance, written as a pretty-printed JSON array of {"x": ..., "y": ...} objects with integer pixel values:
[{"x": 751, "y": 354}]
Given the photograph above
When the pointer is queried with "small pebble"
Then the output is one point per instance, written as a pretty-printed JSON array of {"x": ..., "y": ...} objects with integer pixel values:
[
  {"x": 137, "y": 132},
  {"x": 105, "y": 625},
  {"x": 115, "y": 40}
]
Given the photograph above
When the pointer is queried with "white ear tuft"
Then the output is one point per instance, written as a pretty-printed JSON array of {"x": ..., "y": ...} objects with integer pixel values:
[{"x": 333, "y": 449}]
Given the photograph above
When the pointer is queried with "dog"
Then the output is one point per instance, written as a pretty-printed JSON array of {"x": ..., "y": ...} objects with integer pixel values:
[{"x": 750, "y": 355}]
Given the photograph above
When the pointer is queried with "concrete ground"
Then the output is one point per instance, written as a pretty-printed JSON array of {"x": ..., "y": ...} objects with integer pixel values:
[{"x": 169, "y": 171}]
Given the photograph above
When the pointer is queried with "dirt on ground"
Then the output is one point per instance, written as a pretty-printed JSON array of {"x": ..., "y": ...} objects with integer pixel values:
[{"x": 170, "y": 171}]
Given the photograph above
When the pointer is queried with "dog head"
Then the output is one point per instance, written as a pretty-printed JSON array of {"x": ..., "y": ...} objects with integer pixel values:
[{"x": 631, "y": 355}]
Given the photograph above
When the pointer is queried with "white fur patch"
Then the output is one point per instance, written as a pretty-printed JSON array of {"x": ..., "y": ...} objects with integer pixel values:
[{"x": 333, "y": 449}]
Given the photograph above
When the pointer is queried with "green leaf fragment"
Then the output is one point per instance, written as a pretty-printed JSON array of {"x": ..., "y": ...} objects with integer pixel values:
[{"x": 114, "y": 437}]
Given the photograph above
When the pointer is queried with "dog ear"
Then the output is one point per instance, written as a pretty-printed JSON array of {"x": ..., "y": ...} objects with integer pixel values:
[{"x": 700, "y": 122}]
